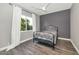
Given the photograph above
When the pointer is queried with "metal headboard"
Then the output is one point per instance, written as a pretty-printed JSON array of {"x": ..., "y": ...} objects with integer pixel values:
[
  {"x": 51, "y": 27},
  {"x": 55, "y": 28}
]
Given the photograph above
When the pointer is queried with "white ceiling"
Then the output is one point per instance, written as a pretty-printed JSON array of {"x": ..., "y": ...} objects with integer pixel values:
[{"x": 52, "y": 7}]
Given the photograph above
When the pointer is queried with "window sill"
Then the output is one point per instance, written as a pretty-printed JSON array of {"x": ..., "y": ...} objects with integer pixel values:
[{"x": 27, "y": 31}]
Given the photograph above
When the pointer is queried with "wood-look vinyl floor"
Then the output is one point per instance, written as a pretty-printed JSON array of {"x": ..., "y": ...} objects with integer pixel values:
[{"x": 29, "y": 48}]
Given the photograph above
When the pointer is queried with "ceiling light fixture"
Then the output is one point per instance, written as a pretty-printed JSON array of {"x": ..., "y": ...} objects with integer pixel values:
[{"x": 43, "y": 8}]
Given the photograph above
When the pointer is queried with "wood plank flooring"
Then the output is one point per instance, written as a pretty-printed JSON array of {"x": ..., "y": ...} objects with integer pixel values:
[{"x": 29, "y": 48}]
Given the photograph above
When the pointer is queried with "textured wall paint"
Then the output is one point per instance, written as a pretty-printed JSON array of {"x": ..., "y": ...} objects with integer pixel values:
[
  {"x": 60, "y": 19},
  {"x": 5, "y": 24}
]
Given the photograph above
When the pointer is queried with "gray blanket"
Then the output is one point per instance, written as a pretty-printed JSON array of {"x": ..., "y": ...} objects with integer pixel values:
[{"x": 46, "y": 35}]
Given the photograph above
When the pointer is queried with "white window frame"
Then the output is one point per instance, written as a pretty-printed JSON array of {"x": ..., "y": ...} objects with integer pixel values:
[{"x": 26, "y": 24}]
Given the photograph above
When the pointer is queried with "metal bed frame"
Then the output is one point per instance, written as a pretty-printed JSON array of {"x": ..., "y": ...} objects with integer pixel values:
[{"x": 46, "y": 41}]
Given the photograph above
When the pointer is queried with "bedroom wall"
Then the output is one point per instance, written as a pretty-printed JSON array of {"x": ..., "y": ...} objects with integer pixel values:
[
  {"x": 26, "y": 35},
  {"x": 60, "y": 19},
  {"x": 75, "y": 25},
  {"x": 5, "y": 24}
]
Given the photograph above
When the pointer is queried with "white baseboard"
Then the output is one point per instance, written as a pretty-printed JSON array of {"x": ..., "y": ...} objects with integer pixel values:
[
  {"x": 4, "y": 48},
  {"x": 75, "y": 46},
  {"x": 25, "y": 40},
  {"x": 13, "y": 45},
  {"x": 64, "y": 38},
  {"x": 71, "y": 42}
]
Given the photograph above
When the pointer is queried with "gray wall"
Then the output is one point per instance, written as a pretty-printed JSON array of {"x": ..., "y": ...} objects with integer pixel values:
[
  {"x": 37, "y": 23},
  {"x": 75, "y": 24},
  {"x": 26, "y": 35},
  {"x": 5, "y": 24},
  {"x": 60, "y": 19}
]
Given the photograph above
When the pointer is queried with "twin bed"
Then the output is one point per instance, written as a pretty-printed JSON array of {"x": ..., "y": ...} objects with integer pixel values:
[{"x": 48, "y": 36}]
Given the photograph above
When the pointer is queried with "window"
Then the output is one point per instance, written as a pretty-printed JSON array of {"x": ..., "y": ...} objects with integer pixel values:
[{"x": 26, "y": 23}]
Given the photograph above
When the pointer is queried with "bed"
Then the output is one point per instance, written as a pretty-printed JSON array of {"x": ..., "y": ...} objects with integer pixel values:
[{"x": 48, "y": 36}]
